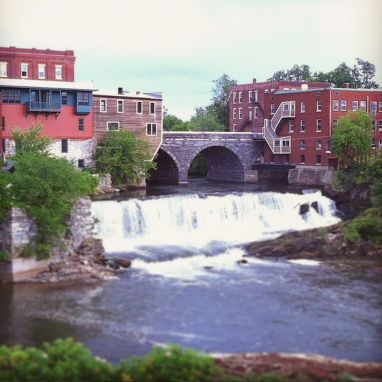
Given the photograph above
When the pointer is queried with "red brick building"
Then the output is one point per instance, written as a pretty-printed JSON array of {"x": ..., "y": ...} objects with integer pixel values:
[
  {"x": 297, "y": 119},
  {"x": 37, "y": 86},
  {"x": 140, "y": 113}
]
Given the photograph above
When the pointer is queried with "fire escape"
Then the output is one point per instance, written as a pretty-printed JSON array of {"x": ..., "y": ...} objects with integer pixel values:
[{"x": 279, "y": 145}]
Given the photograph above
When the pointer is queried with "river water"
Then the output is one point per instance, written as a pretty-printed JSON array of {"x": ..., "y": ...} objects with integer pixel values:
[{"x": 186, "y": 284}]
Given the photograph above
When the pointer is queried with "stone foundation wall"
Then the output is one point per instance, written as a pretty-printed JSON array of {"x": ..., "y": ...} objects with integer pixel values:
[{"x": 310, "y": 176}]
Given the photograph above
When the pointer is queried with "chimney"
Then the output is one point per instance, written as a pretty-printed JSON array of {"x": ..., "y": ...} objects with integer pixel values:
[
  {"x": 346, "y": 85},
  {"x": 254, "y": 80},
  {"x": 120, "y": 90}
]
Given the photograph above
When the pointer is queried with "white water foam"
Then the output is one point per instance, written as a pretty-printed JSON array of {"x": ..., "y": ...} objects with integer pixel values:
[{"x": 194, "y": 220}]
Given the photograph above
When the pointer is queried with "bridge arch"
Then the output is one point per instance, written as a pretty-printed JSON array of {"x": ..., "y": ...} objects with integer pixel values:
[{"x": 168, "y": 168}]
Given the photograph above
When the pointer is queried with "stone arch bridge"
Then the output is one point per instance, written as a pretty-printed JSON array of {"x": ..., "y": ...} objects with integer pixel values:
[{"x": 230, "y": 156}]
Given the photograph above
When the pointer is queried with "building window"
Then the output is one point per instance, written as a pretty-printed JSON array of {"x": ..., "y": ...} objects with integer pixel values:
[
  {"x": 335, "y": 105},
  {"x": 250, "y": 96},
  {"x": 64, "y": 145},
  {"x": 318, "y": 159},
  {"x": 302, "y": 108},
  {"x": 256, "y": 112},
  {"x": 3, "y": 69},
  {"x": 81, "y": 124},
  {"x": 318, "y": 94},
  {"x": 139, "y": 107},
  {"x": 302, "y": 144},
  {"x": 334, "y": 124},
  {"x": 233, "y": 97},
  {"x": 234, "y": 127},
  {"x": 250, "y": 114},
  {"x": 380, "y": 107},
  {"x": 302, "y": 126},
  {"x": 24, "y": 70},
  {"x": 256, "y": 93},
  {"x": 343, "y": 105},
  {"x": 302, "y": 159},
  {"x": 319, "y": 106},
  {"x": 318, "y": 144},
  {"x": 112, "y": 126},
  {"x": 151, "y": 129},
  {"x": 363, "y": 105},
  {"x": 380, "y": 144},
  {"x": 83, "y": 98},
  {"x": 354, "y": 105},
  {"x": 379, "y": 125},
  {"x": 240, "y": 113},
  {"x": 103, "y": 105},
  {"x": 373, "y": 125},
  {"x": 234, "y": 113},
  {"x": 119, "y": 106},
  {"x": 273, "y": 108},
  {"x": 81, "y": 163},
  {"x": 3, "y": 145},
  {"x": 152, "y": 107},
  {"x": 240, "y": 97},
  {"x": 58, "y": 72},
  {"x": 291, "y": 126},
  {"x": 41, "y": 71},
  {"x": 11, "y": 96},
  {"x": 318, "y": 125},
  {"x": 64, "y": 98},
  {"x": 3, "y": 123},
  {"x": 374, "y": 107}
]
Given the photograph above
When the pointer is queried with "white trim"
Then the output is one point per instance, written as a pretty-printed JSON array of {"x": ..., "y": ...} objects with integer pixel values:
[
  {"x": 318, "y": 124},
  {"x": 336, "y": 105},
  {"x": 250, "y": 96},
  {"x": 4, "y": 69},
  {"x": 302, "y": 107},
  {"x": 318, "y": 105},
  {"x": 343, "y": 102},
  {"x": 151, "y": 103},
  {"x": 151, "y": 126},
  {"x": 123, "y": 106},
  {"x": 353, "y": 103},
  {"x": 100, "y": 105},
  {"x": 117, "y": 122},
  {"x": 37, "y": 84},
  {"x": 240, "y": 113},
  {"x": 60, "y": 72},
  {"x": 21, "y": 69},
  {"x": 43, "y": 66},
  {"x": 136, "y": 107},
  {"x": 240, "y": 97}
]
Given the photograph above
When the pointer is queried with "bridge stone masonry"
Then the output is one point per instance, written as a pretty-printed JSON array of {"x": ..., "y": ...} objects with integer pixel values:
[{"x": 230, "y": 156}]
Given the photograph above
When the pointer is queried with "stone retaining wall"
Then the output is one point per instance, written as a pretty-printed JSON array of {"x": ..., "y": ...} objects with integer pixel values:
[{"x": 307, "y": 176}]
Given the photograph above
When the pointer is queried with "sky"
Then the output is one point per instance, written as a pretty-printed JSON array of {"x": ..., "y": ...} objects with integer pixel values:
[{"x": 179, "y": 47}]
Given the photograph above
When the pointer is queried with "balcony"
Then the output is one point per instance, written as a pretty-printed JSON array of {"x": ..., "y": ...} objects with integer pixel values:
[{"x": 43, "y": 107}]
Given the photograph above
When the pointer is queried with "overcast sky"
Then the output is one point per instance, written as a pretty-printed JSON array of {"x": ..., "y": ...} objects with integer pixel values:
[{"x": 180, "y": 46}]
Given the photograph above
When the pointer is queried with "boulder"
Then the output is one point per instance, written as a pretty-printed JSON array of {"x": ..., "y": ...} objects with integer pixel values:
[
  {"x": 124, "y": 263},
  {"x": 304, "y": 208},
  {"x": 315, "y": 206}
]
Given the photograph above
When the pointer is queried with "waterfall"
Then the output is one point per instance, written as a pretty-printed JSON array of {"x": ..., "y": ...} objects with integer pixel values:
[{"x": 196, "y": 220}]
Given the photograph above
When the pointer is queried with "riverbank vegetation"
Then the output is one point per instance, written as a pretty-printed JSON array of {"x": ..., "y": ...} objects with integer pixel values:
[
  {"x": 125, "y": 157},
  {"x": 44, "y": 186},
  {"x": 67, "y": 360}
]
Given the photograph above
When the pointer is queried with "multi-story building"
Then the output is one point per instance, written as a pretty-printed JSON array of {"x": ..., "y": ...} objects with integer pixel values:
[
  {"x": 140, "y": 113},
  {"x": 297, "y": 119},
  {"x": 38, "y": 87}
]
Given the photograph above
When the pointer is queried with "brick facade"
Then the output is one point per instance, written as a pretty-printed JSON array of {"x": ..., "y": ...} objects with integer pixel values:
[
  {"x": 13, "y": 57},
  {"x": 314, "y": 117}
]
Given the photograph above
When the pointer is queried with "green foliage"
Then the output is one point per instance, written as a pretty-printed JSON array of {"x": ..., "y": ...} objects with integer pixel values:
[
  {"x": 351, "y": 141},
  {"x": 5, "y": 256},
  {"x": 220, "y": 99},
  {"x": 198, "y": 167},
  {"x": 125, "y": 157},
  {"x": 63, "y": 360},
  {"x": 31, "y": 140},
  {"x": 46, "y": 188},
  {"x": 5, "y": 195},
  {"x": 204, "y": 120},
  {"x": 171, "y": 122},
  {"x": 172, "y": 364},
  {"x": 367, "y": 226}
]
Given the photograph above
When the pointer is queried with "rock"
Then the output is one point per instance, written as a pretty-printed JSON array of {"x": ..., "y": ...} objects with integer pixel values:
[
  {"x": 124, "y": 263},
  {"x": 315, "y": 206},
  {"x": 242, "y": 261},
  {"x": 304, "y": 208}
]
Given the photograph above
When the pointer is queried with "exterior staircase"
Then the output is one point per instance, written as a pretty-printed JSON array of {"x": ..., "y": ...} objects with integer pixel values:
[{"x": 279, "y": 145}]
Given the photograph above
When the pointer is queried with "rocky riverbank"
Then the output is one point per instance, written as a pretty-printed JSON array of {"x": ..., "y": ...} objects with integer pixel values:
[
  {"x": 322, "y": 243},
  {"x": 88, "y": 264}
]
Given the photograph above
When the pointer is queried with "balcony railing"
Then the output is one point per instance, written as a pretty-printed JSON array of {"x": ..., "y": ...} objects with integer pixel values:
[
  {"x": 44, "y": 107},
  {"x": 277, "y": 145},
  {"x": 285, "y": 110}
]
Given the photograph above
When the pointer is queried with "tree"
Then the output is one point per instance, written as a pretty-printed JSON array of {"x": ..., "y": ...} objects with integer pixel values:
[
  {"x": 363, "y": 72},
  {"x": 351, "y": 141},
  {"x": 125, "y": 157},
  {"x": 171, "y": 122},
  {"x": 341, "y": 75},
  {"x": 31, "y": 140},
  {"x": 296, "y": 73},
  {"x": 204, "y": 120},
  {"x": 220, "y": 99}
]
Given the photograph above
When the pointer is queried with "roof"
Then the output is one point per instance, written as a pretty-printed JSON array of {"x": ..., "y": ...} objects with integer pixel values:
[
  {"x": 127, "y": 94},
  {"x": 42, "y": 84},
  {"x": 324, "y": 89}
]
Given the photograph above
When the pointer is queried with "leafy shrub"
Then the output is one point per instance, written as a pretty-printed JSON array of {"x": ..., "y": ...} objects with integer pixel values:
[
  {"x": 5, "y": 256},
  {"x": 63, "y": 360},
  {"x": 172, "y": 364},
  {"x": 5, "y": 195},
  {"x": 31, "y": 140}
]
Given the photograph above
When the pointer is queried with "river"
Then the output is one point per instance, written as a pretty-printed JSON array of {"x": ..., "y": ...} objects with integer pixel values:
[{"x": 187, "y": 285}]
